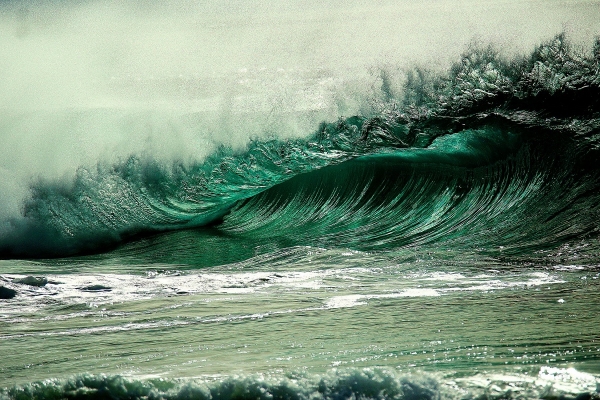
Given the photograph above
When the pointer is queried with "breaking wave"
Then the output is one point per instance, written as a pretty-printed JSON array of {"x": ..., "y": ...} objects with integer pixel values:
[{"x": 498, "y": 156}]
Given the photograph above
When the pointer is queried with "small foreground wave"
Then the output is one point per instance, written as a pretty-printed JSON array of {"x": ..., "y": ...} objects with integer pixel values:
[{"x": 369, "y": 383}]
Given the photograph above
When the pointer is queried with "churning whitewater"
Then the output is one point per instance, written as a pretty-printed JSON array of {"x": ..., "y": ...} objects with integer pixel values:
[{"x": 432, "y": 236}]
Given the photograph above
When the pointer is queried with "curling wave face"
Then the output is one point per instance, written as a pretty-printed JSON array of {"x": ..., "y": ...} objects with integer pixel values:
[{"x": 496, "y": 156}]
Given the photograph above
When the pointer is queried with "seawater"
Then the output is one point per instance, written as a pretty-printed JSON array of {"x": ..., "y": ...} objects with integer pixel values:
[
  {"x": 424, "y": 234},
  {"x": 303, "y": 322}
]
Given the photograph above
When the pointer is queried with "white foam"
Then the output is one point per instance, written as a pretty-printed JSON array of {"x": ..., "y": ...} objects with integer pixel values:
[
  {"x": 352, "y": 300},
  {"x": 358, "y": 299},
  {"x": 550, "y": 382}
]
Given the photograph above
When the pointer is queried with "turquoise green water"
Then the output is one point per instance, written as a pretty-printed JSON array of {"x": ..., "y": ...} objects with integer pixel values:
[{"x": 446, "y": 247}]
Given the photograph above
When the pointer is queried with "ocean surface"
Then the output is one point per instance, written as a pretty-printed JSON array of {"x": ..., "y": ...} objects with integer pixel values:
[{"x": 437, "y": 239}]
